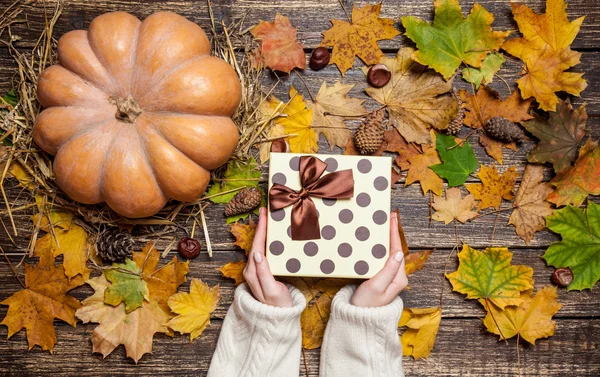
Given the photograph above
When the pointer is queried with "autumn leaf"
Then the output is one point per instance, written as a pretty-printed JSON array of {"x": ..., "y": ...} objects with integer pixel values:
[
  {"x": 579, "y": 248},
  {"x": 453, "y": 207},
  {"x": 530, "y": 205},
  {"x": 419, "y": 169},
  {"x": 127, "y": 286},
  {"x": 531, "y": 320},
  {"x": 453, "y": 39},
  {"x": 244, "y": 234},
  {"x": 458, "y": 159},
  {"x": 68, "y": 240},
  {"x": 545, "y": 50},
  {"x": 330, "y": 106},
  {"x": 359, "y": 37},
  {"x": 135, "y": 330},
  {"x": 237, "y": 176},
  {"x": 560, "y": 135},
  {"x": 487, "y": 104},
  {"x": 415, "y": 98},
  {"x": 493, "y": 187},
  {"x": 394, "y": 142},
  {"x": 268, "y": 110},
  {"x": 423, "y": 325},
  {"x": 415, "y": 261},
  {"x": 488, "y": 275},
  {"x": 574, "y": 184},
  {"x": 484, "y": 75},
  {"x": 234, "y": 270},
  {"x": 279, "y": 49},
  {"x": 25, "y": 179},
  {"x": 297, "y": 119},
  {"x": 194, "y": 308},
  {"x": 43, "y": 298},
  {"x": 162, "y": 282}
]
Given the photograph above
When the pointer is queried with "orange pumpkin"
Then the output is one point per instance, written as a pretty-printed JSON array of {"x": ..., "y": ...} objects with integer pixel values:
[{"x": 137, "y": 112}]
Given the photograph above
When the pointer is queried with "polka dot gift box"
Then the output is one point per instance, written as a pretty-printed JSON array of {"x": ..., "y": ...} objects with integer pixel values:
[{"x": 335, "y": 223}]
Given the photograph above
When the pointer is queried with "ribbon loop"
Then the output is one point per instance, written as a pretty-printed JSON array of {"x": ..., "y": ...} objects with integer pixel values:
[{"x": 305, "y": 218}]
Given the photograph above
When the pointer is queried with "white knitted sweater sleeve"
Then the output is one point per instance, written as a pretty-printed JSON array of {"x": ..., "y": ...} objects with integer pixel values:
[
  {"x": 259, "y": 340},
  {"x": 361, "y": 341}
]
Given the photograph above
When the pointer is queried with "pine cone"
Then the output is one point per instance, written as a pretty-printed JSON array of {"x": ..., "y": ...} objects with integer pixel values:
[
  {"x": 504, "y": 130},
  {"x": 456, "y": 123},
  {"x": 115, "y": 245},
  {"x": 369, "y": 136},
  {"x": 244, "y": 201}
]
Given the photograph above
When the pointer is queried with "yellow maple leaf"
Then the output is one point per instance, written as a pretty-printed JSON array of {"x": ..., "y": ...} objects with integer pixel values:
[
  {"x": 244, "y": 234},
  {"x": 530, "y": 205},
  {"x": 489, "y": 275},
  {"x": 531, "y": 320},
  {"x": 358, "y": 37},
  {"x": 330, "y": 106},
  {"x": 453, "y": 207},
  {"x": 134, "y": 330},
  {"x": 297, "y": 119},
  {"x": 419, "y": 169},
  {"x": 43, "y": 299},
  {"x": 194, "y": 308},
  {"x": 493, "y": 187},
  {"x": 234, "y": 270},
  {"x": 415, "y": 98},
  {"x": 423, "y": 324},
  {"x": 25, "y": 179},
  {"x": 415, "y": 261},
  {"x": 545, "y": 50},
  {"x": 71, "y": 242},
  {"x": 162, "y": 282}
]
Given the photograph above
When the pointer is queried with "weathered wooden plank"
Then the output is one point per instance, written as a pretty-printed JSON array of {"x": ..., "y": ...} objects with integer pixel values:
[
  {"x": 311, "y": 17},
  {"x": 463, "y": 348},
  {"x": 413, "y": 206},
  {"x": 425, "y": 285}
]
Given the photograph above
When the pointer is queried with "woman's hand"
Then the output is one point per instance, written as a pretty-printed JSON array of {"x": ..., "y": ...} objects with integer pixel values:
[
  {"x": 257, "y": 273},
  {"x": 383, "y": 288}
]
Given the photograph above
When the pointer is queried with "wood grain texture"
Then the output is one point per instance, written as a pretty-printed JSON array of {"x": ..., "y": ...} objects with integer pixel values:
[{"x": 463, "y": 347}]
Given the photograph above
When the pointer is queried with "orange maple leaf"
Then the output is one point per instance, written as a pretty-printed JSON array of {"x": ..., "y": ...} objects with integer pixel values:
[
  {"x": 43, "y": 299},
  {"x": 574, "y": 184},
  {"x": 486, "y": 104},
  {"x": 234, "y": 270},
  {"x": 545, "y": 50},
  {"x": 279, "y": 49},
  {"x": 244, "y": 234},
  {"x": 419, "y": 169},
  {"x": 493, "y": 187},
  {"x": 359, "y": 37}
]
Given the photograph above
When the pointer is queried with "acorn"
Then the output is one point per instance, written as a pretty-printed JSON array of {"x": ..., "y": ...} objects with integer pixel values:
[
  {"x": 562, "y": 277},
  {"x": 379, "y": 75},
  {"x": 319, "y": 58}
]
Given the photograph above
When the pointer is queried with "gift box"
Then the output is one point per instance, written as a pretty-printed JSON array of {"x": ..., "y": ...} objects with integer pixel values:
[{"x": 328, "y": 215}]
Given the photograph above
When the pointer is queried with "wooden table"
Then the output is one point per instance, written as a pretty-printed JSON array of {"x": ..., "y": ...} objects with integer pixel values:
[{"x": 463, "y": 346}]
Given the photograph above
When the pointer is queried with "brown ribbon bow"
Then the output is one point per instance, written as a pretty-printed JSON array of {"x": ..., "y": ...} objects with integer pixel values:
[{"x": 305, "y": 219}]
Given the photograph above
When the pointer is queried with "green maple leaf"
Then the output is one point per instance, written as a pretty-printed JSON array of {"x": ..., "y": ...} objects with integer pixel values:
[
  {"x": 458, "y": 161},
  {"x": 453, "y": 39},
  {"x": 560, "y": 135},
  {"x": 490, "y": 65},
  {"x": 127, "y": 287},
  {"x": 488, "y": 275},
  {"x": 237, "y": 176},
  {"x": 579, "y": 248}
]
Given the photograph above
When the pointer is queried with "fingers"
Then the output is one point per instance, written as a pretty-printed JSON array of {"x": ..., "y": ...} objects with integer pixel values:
[
  {"x": 265, "y": 277},
  {"x": 395, "y": 243},
  {"x": 399, "y": 282},
  {"x": 257, "y": 253}
]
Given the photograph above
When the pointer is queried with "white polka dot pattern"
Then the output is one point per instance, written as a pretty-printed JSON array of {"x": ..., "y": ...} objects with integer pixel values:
[{"x": 354, "y": 239}]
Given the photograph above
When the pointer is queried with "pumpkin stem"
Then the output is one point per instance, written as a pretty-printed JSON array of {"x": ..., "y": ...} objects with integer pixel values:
[{"x": 127, "y": 109}]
